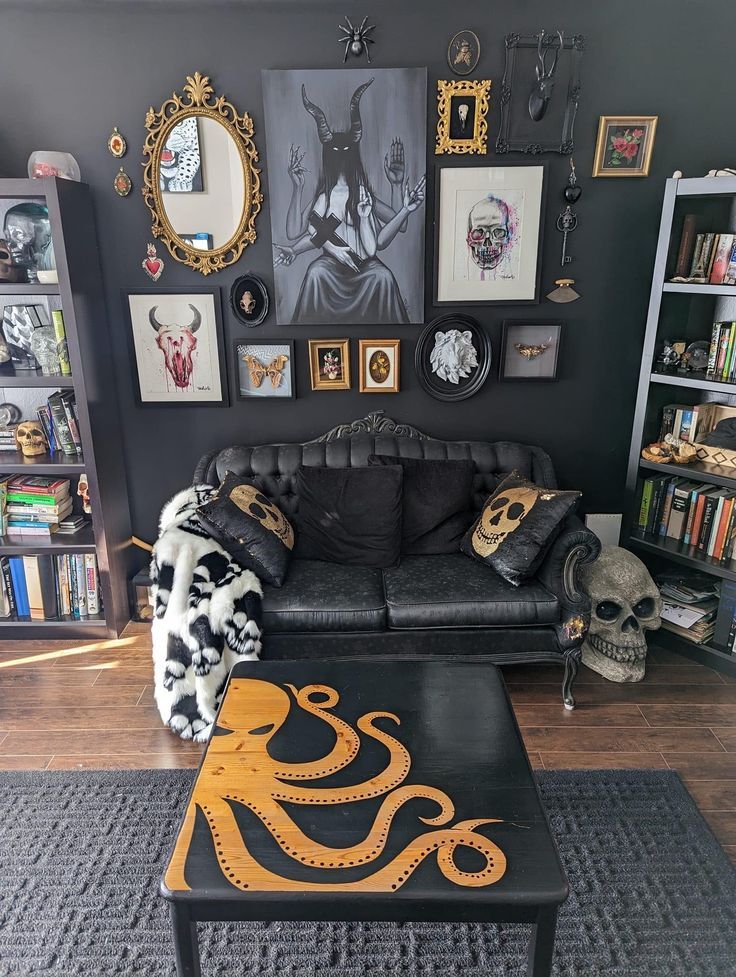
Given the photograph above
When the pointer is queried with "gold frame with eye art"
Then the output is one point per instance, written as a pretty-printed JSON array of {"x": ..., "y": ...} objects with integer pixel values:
[
  {"x": 369, "y": 350},
  {"x": 199, "y": 100},
  {"x": 450, "y": 137}
]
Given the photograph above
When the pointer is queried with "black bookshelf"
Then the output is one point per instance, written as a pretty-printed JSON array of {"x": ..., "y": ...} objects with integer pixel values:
[
  {"x": 688, "y": 307},
  {"x": 80, "y": 294}
]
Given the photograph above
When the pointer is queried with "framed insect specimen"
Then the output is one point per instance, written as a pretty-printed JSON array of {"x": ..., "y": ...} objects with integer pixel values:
[
  {"x": 530, "y": 350},
  {"x": 379, "y": 366},
  {"x": 462, "y": 107},
  {"x": 463, "y": 52},
  {"x": 265, "y": 369},
  {"x": 329, "y": 364}
]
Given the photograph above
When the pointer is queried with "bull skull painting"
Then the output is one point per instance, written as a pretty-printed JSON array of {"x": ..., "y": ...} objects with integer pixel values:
[{"x": 177, "y": 342}]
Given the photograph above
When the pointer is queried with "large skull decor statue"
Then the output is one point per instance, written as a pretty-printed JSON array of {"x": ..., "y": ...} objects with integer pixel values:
[
  {"x": 248, "y": 499},
  {"x": 625, "y": 602},
  {"x": 31, "y": 440},
  {"x": 488, "y": 232}
]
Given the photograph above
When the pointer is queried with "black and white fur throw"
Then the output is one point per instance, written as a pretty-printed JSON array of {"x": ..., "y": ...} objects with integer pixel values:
[{"x": 207, "y": 616}]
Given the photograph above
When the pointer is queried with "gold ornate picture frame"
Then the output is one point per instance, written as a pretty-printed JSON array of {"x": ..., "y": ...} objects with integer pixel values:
[
  {"x": 462, "y": 107},
  {"x": 624, "y": 145},
  {"x": 329, "y": 364},
  {"x": 379, "y": 366},
  {"x": 199, "y": 100}
]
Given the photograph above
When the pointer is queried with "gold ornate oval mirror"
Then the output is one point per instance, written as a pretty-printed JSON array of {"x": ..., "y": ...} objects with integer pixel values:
[{"x": 200, "y": 180}]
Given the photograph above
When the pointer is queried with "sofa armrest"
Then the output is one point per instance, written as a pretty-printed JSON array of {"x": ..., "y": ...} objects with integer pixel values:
[{"x": 575, "y": 547}]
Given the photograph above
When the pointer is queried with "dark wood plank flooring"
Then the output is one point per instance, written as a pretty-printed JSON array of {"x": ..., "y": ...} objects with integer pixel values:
[{"x": 75, "y": 706}]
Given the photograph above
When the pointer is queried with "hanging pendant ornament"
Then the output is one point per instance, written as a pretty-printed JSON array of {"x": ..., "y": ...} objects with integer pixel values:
[
  {"x": 117, "y": 144},
  {"x": 152, "y": 264},
  {"x": 572, "y": 191},
  {"x": 564, "y": 292},
  {"x": 122, "y": 183}
]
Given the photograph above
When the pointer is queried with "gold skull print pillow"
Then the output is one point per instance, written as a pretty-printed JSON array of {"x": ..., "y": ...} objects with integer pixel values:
[
  {"x": 252, "y": 529},
  {"x": 516, "y": 527}
]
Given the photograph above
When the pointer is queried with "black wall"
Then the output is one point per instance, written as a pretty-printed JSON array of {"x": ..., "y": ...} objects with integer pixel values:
[{"x": 70, "y": 71}]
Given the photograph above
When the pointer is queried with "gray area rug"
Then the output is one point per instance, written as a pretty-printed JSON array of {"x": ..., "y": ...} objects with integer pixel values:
[{"x": 81, "y": 854}]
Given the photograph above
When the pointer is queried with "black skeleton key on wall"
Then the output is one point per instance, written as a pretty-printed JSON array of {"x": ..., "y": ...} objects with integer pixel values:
[
  {"x": 324, "y": 232},
  {"x": 566, "y": 223}
]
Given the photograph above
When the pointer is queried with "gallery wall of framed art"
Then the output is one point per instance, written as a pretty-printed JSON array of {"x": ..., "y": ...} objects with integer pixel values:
[{"x": 611, "y": 246}]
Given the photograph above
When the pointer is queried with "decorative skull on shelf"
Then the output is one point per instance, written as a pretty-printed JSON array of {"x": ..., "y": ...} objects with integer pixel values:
[
  {"x": 83, "y": 493},
  {"x": 30, "y": 438},
  {"x": 488, "y": 232},
  {"x": 625, "y": 603},
  {"x": 502, "y": 516},
  {"x": 248, "y": 303},
  {"x": 248, "y": 499}
]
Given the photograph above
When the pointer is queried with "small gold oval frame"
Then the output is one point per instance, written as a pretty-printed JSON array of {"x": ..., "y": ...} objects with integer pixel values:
[{"x": 199, "y": 99}]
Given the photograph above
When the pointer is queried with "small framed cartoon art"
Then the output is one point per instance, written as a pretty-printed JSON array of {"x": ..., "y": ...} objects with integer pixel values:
[
  {"x": 329, "y": 364},
  {"x": 530, "y": 350},
  {"x": 462, "y": 107},
  {"x": 488, "y": 234},
  {"x": 625, "y": 144},
  {"x": 177, "y": 348},
  {"x": 379, "y": 366},
  {"x": 265, "y": 369}
]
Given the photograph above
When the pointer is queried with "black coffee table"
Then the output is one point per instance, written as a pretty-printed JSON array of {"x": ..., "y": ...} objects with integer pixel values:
[{"x": 313, "y": 802}]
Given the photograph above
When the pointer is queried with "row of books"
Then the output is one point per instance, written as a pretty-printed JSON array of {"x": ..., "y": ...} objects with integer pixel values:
[
  {"x": 49, "y": 588},
  {"x": 37, "y": 506},
  {"x": 690, "y": 604},
  {"x": 693, "y": 513},
  {"x": 60, "y": 422},
  {"x": 706, "y": 258},
  {"x": 722, "y": 353}
]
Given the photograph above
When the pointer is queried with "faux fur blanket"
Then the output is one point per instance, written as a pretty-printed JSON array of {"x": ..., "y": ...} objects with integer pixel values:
[{"x": 207, "y": 616}]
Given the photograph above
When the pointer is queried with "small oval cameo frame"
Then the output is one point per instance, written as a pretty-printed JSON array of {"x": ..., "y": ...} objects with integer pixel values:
[
  {"x": 117, "y": 144},
  {"x": 463, "y": 52},
  {"x": 249, "y": 300},
  {"x": 122, "y": 183}
]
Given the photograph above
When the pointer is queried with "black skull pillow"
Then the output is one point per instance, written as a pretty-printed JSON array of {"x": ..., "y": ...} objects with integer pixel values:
[
  {"x": 516, "y": 527},
  {"x": 253, "y": 530}
]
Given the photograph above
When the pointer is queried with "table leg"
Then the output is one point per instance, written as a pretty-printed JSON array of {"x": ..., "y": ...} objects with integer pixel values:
[
  {"x": 542, "y": 944},
  {"x": 186, "y": 945}
]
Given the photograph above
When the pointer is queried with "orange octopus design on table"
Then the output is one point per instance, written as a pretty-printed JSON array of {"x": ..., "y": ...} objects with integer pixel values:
[{"x": 238, "y": 768}]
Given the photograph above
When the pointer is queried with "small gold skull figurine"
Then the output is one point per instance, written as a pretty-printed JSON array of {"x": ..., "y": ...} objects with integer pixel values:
[
  {"x": 31, "y": 440},
  {"x": 248, "y": 303},
  {"x": 83, "y": 493}
]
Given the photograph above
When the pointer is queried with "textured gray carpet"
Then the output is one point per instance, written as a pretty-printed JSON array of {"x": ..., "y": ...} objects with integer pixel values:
[{"x": 81, "y": 855}]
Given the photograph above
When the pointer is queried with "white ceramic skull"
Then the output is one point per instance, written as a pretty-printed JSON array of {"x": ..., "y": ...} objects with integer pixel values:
[
  {"x": 625, "y": 603},
  {"x": 488, "y": 232},
  {"x": 250, "y": 500},
  {"x": 502, "y": 516},
  {"x": 30, "y": 438}
]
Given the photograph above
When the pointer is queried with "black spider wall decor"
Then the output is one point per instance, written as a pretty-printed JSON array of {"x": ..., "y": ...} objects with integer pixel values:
[{"x": 356, "y": 39}]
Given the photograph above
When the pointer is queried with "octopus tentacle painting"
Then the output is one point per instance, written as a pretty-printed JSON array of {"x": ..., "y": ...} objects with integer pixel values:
[{"x": 239, "y": 770}]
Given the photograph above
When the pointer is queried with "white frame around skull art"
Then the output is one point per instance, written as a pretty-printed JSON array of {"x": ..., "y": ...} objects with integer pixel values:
[{"x": 512, "y": 272}]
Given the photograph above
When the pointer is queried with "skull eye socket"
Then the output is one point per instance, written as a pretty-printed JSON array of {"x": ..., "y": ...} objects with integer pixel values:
[
  {"x": 645, "y": 607},
  {"x": 607, "y": 610},
  {"x": 498, "y": 503},
  {"x": 499, "y": 233},
  {"x": 477, "y": 234}
]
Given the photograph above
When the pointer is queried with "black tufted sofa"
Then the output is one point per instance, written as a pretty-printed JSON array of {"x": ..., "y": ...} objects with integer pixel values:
[{"x": 447, "y": 604}]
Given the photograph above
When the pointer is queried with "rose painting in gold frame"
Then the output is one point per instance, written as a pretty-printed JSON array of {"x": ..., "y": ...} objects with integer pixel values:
[
  {"x": 624, "y": 146},
  {"x": 329, "y": 364}
]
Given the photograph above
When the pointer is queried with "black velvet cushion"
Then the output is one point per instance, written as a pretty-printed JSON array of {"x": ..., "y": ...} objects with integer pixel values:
[
  {"x": 350, "y": 515},
  {"x": 250, "y": 527},
  {"x": 436, "y": 503},
  {"x": 517, "y": 526}
]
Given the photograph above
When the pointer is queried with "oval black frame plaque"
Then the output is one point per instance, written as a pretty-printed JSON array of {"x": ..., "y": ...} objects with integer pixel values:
[{"x": 443, "y": 389}]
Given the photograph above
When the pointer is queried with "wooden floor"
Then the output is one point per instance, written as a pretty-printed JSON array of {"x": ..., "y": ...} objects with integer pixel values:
[{"x": 68, "y": 705}]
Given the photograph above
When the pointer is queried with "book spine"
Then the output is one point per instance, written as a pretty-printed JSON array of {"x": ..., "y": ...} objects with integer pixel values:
[
  {"x": 48, "y": 428},
  {"x": 713, "y": 352},
  {"x": 61, "y": 425},
  {"x": 73, "y": 596},
  {"x": 81, "y": 584},
  {"x": 722, "y": 553},
  {"x": 706, "y": 255},
  {"x": 712, "y": 257},
  {"x": 697, "y": 251},
  {"x": 19, "y": 586},
  {"x": 62, "y": 348},
  {"x": 3, "y": 506},
  {"x": 698, "y": 517},
  {"x": 7, "y": 580},
  {"x": 63, "y": 574},
  {"x": 72, "y": 421},
  {"x": 90, "y": 570},
  {"x": 659, "y": 501},
  {"x": 652, "y": 520},
  {"x": 714, "y": 527},
  {"x": 722, "y": 347},
  {"x": 48, "y": 500},
  {"x": 4, "y": 601},
  {"x": 687, "y": 244},
  {"x": 686, "y": 425},
  {"x": 729, "y": 351},
  {"x": 646, "y": 498},
  {"x": 667, "y": 508},
  {"x": 708, "y": 509}
]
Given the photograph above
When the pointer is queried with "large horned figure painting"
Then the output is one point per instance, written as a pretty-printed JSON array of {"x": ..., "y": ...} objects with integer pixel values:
[{"x": 347, "y": 215}]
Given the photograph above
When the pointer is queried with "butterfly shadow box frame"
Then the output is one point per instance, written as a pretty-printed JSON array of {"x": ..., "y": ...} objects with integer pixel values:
[
  {"x": 530, "y": 350},
  {"x": 265, "y": 369}
]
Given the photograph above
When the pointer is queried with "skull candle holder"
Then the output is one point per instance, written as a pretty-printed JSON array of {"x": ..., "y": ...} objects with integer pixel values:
[
  {"x": 30, "y": 439},
  {"x": 625, "y": 603}
]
